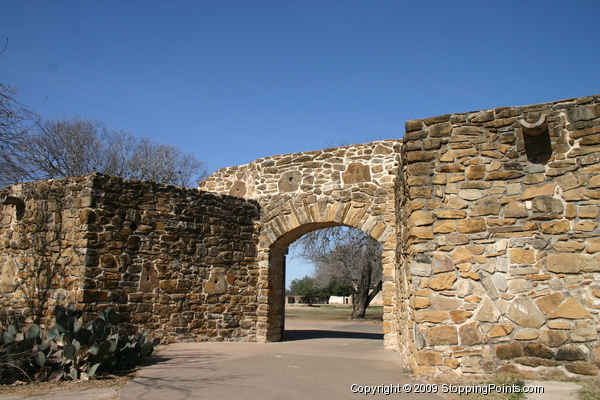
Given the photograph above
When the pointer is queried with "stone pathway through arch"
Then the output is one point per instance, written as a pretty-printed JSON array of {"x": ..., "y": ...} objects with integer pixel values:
[{"x": 316, "y": 361}]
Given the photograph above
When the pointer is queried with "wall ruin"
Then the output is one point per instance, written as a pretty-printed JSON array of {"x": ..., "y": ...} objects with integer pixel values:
[
  {"x": 176, "y": 261},
  {"x": 502, "y": 271}
]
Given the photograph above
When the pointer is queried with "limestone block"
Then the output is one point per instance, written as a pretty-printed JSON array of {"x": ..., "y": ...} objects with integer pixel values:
[
  {"x": 440, "y": 130},
  {"x": 584, "y": 331},
  {"x": 463, "y": 288},
  {"x": 426, "y": 357},
  {"x": 489, "y": 285},
  {"x": 500, "y": 330},
  {"x": 527, "y": 334},
  {"x": 503, "y": 175},
  {"x": 508, "y": 351},
  {"x": 515, "y": 210},
  {"x": 582, "y": 369},
  {"x": 442, "y": 263},
  {"x": 487, "y": 312},
  {"x": 570, "y": 309},
  {"x": 453, "y": 201},
  {"x": 585, "y": 226},
  {"x": 420, "y": 269},
  {"x": 472, "y": 225},
  {"x": 471, "y": 194},
  {"x": 471, "y": 365},
  {"x": 417, "y": 302},
  {"x": 570, "y": 246},
  {"x": 549, "y": 302},
  {"x": 587, "y": 211},
  {"x": 517, "y": 286},
  {"x": 486, "y": 206},
  {"x": 356, "y": 173},
  {"x": 442, "y": 281},
  {"x": 470, "y": 334},
  {"x": 450, "y": 214},
  {"x": 499, "y": 281},
  {"x": 537, "y": 349},
  {"x": 524, "y": 312},
  {"x": 442, "y": 335},
  {"x": 569, "y": 353},
  {"x": 462, "y": 255},
  {"x": 460, "y": 316},
  {"x": 445, "y": 302},
  {"x": 7, "y": 277},
  {"x": 422, "y": 232},
  {"x": 475, "y": 172},
  {"x": 452, "y": 363},
  {"x": 421, "y": 218},
  {"x": 592, "y": 245},
  {"x": 546, "y": 189},
  {"x": 520, "y": 256},
  {"x": 216, "y": 284},
  {"x": 456, "y": 239},
  {"x": 87, "y": 216},
  {"x": 552, "y": 337},
  {"x": 547, "y": 205},
  {"x": 569, "y": 263},
  {"x": 559, "y": 325},
  {"x": 556, "y": 227},
  {"x": 583, "y": 113},
  {"x": 434, "y": 316},
  {"x": 576, "y": 194}
]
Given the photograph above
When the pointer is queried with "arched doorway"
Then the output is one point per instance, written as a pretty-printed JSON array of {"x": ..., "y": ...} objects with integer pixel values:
[
  {"x": 343, "y": 261},
  {"x": 272, "y": 298}
]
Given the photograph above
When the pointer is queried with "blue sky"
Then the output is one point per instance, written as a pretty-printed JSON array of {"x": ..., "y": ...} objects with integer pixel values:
[{"x": 233, "y": 81}]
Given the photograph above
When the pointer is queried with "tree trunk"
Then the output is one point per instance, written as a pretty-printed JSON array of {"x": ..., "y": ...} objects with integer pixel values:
[{"x": 360, "y": 300}]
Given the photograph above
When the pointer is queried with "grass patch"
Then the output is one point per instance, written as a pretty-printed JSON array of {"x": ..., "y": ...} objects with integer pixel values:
[
  {"x": 330, "y": 313},
  {"x": 591, "y": 389}
]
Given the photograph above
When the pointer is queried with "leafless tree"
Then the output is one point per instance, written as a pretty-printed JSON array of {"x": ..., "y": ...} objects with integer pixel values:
[
  {"x": 164, "y": 163},
  {"x": 16, "y": 122},
  {"x": 78, "y": 146},
  {"x": 345, "y": 255}
]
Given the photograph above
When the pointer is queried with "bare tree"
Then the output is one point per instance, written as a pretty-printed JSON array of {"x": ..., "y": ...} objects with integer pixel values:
[
  {"x": 345, "y": 255},
  {"x": 78, "y": 146},
  {"x": 16, "y": 122},
  {"x": 164, "y": 163}
]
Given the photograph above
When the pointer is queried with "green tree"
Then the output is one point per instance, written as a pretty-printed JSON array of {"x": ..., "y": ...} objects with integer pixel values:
[{"x": 306, "y": 287}]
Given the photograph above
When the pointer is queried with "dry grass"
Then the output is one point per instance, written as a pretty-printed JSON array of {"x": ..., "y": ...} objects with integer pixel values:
[
  {"x": 330, "y": 313},
  {"x": 40, "y": 388},
  {"x": 591, "y": 389}
]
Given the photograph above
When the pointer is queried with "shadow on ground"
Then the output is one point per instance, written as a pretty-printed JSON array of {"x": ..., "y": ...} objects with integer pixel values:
[{"x": 307, "y": 334}]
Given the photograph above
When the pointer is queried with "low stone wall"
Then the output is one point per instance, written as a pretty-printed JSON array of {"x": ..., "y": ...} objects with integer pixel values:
[
  {"x": 177, "y": 261},
  {"x": 502, "y": 248}
]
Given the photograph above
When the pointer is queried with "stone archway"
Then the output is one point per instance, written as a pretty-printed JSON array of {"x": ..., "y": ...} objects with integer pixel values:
[
  {"x": 276, "y": 259},
  {"x": 355, "y": 186}
]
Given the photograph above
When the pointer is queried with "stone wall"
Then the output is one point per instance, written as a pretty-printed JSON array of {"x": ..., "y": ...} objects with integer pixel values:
[
  {"x": 488, "y": 222},
  {"x": 177, "y": 261},
  {"x": 502, "y": 247},
  {"x": 352, "y": 186}
]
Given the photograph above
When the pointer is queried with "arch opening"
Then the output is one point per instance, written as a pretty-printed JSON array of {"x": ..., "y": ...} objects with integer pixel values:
[{"x": 344, "y": 259}]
